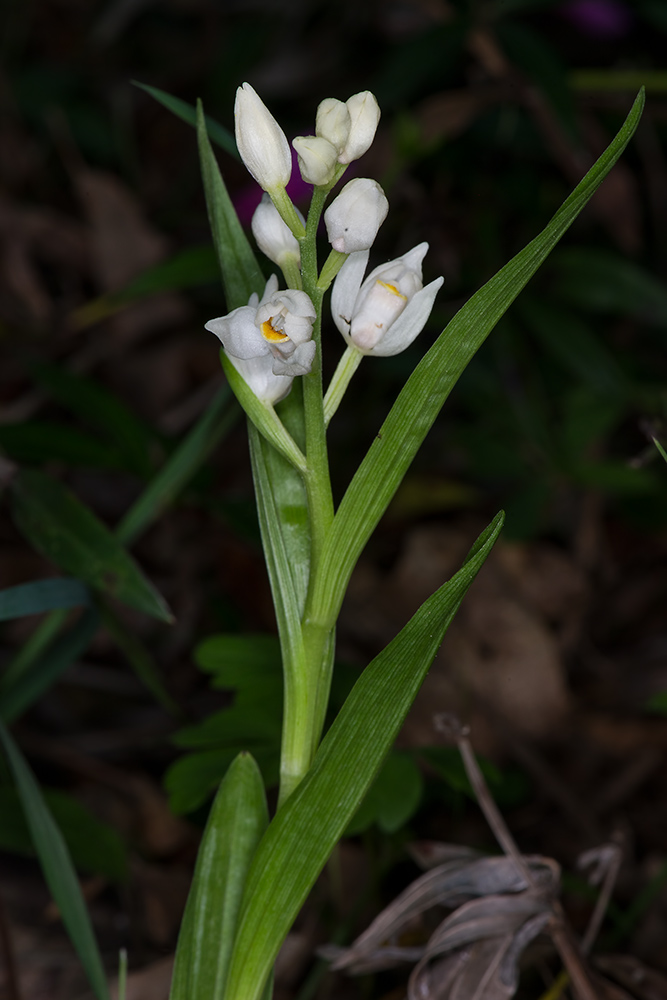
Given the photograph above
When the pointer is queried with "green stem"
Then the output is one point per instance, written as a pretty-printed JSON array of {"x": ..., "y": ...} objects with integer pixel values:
[
  {"x": 308, "y": 672},
  {"x": 347, "y": 366},
  {"x": 332, "y": 266}
]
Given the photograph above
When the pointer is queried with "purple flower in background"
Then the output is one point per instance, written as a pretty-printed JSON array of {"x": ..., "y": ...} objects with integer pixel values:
[{"x": 606, "y": 19}]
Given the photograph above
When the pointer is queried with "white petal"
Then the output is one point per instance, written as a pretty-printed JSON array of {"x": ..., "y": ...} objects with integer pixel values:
[
  {"x": 300, "y": 361},
  {"x": 346, "y": 288},
  {"x": 259, "y": 375},
  {"x": 261, "y": 141},
  {"x": 238, "y": 333},
  {"x": 364, "y": 117},
  {"x": 410, "y": 323},
  {"x": 412, "y": 260}
]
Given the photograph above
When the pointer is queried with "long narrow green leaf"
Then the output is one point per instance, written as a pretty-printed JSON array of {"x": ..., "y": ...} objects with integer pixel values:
[
  {"x": 188, "y": 457},
  {"x": 288, "y": 612},
  {"x": 241, "y": 275},
  {"x": 303, "y": 833},
  {"x": 42, "y": 595},
  {"x": 57, "y": 867},
  {"x": 421, "y": 399},
  {"x": 218, "y": 133},
  {"x": 64, "y": 530},
  {"x": 238, "y": 818},
  {"x": 26, "y": 680}
]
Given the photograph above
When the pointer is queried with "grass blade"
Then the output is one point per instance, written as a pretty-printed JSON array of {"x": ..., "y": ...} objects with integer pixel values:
[
  {"x": 42, "y": 595},
  {"x": 57, "y": 867}
]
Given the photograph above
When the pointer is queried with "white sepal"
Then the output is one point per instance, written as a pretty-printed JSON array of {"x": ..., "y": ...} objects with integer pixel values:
[
  {"x": 273, "y": 236},
  {"x": 317, "y": 158},
  {"x": 364, "y": 112},
  {"x": 354, "y": 217},
  {"x": 261, "y": 141},
  {"x": 333, "y": 122}
]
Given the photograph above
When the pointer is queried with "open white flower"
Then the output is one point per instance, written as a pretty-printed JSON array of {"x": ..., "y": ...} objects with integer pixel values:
[
  {"x": 261, "y": 141},
  {"x": 269, "y": 341},
  {"x": 386, "y": 313}
]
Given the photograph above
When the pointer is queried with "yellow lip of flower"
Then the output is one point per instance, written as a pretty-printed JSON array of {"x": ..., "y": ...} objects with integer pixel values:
[
  {"x": 273, "y": 336},
  {"x": 393, "y": 289}
]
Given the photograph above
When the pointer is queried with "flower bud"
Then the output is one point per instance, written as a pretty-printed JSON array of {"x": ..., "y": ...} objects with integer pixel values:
[
  {"x": 273, "y": 236},
  {"x": 261, "y": 141},
  {"x": 364, "y": 113},
  {"x": 317, "y": 158},
  {"x": 333, "y": 122},
  {"x": 354, "y": 217}
]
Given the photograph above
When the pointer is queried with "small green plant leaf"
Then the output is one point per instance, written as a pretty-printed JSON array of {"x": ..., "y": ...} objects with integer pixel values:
[
  {"x": 241, "y": 275},
  {"x": 42, "y": 595},
  {"x": 305, "y": 830},
  {"x": 417, "y": 406},
  {"x": 61, "y": 528},
  {"x": 237, "y": 661},
  {"x": 216, "y": 132},
  {"x": 237, "y": 821},
  {"x": 57, "y": 866}
]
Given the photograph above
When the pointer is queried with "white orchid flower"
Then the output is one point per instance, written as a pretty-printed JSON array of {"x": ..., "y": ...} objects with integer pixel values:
[
  {"x": 261, "y": 141},
  {"x": 385, "y": 313},
  {"x": 269, "y": 341},
  {"x": 354, "y": 217}
]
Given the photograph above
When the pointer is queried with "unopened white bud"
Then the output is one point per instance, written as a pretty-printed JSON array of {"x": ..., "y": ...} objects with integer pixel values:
[
  {"x": 261, "y": 141},
  {"x": 333, "y": 122},
  {"x": 273, "y": 236},
  {"x": 364, "y": 117},
  {"x": 317, "y": 158},
  {"x": 354, "y": 217}
]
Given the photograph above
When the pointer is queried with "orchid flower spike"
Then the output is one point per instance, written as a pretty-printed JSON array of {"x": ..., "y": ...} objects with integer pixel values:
[
  {"x": 385, "y": 313},
  {"x": 269, "y": 341},
  {"x": 354, "y": 217},
  {"x": 261, "y": 141}
]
